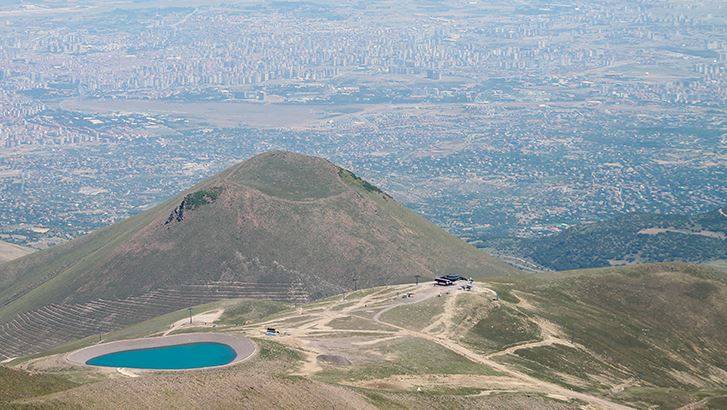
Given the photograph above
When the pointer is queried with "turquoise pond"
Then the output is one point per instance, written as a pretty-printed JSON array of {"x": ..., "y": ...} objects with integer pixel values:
[{"x": 175, "y": 357}]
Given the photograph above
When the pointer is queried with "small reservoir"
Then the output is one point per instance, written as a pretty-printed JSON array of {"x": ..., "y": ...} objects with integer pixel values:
[
  {"x": 168, "y": 353},
  {"x": 174, "y": 357}
]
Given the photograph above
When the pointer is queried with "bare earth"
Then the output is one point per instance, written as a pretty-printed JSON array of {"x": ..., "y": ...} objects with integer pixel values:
[
  {"x": 10, "y": 251},
  {"x": 205, "y": 319}
]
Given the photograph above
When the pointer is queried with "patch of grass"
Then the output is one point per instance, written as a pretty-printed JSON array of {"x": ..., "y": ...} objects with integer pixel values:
[
  {"x": 17, "y": 384},
  {"x": 415, "y": 315},
  {"x": 501, "y": 328},
  {"x": 546, "y": 361},
  {"x": 660, "y": 397},
  {"x": 541, "y": 372},
  {"x": 470, "y": 308},
  {"x": 618, "y": 320},
  {"x": 160, "y": 323},
  {"x": 504, "y": 292},
  {"x": 270, "y": 350},
  {"x": 701, "y": 290},
  {"x": 662, "y": 325},
  {"x": 717, "y": 402},
  {"x": 295, "y": 320},
  {"x": 408, "y": 356},
  {"x": 379, "y": 400},
  {"x": 720, "y": 264},
  {"x": 356, "y": 323},
  {"x": 251, "y": 310},
  {"x": 353, "y": 333},
  {"x": 343, "y": 305},
  {"x": 364, "y": 292}
]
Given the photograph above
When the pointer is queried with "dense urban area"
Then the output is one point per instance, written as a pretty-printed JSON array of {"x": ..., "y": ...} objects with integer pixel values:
[{"x": 494, "y": 119}]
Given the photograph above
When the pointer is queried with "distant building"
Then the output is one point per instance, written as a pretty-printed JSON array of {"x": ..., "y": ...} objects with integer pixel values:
[{"x": 448, "y": 280}]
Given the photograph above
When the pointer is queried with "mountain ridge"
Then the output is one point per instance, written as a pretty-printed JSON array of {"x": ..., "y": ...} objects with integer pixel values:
[{"x": 625, "y": 240}]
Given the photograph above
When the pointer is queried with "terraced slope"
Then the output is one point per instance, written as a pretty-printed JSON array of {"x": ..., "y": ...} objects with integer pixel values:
[
  {"x": 278, "y": 218},
  {"x": 55, "y": 324}
]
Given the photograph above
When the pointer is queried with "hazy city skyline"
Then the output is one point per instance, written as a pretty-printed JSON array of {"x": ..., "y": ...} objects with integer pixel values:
[{"x": 564, "y": 114}]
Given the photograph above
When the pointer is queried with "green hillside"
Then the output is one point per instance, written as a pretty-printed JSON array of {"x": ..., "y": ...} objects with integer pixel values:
[
  {"x": 17, "y": 384},
  {"x": 653, "y": 334},
  {"x": 649, "y": 336},
  {"x": 278, "y": 218},
  {"x": 628, "y": 239}
]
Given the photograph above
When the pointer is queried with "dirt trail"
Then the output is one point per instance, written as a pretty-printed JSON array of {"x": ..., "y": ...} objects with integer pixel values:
[
  {"x": 546, "y": 387},
  {"x": 550, "y": 335},
  {"x": 294, "y": 336},
  {"x": 421, "y": 297},
  {"x": 385, "y": 300},
  {"x": 445, "y": 319},
  {"x": 204, "y": 319},
  {"x": 407, "y": 382}
]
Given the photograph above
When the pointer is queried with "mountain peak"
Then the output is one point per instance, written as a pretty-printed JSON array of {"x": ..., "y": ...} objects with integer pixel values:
[
  {"x": 280, "y": 226},
  {"x": 288, "y": 175}
]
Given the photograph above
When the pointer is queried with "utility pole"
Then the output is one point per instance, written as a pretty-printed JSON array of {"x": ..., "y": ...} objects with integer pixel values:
[
  {"x": 417, "y": 278},
  {"x": 190, "y": 315},
  {"x": 354, "y": 284}
]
